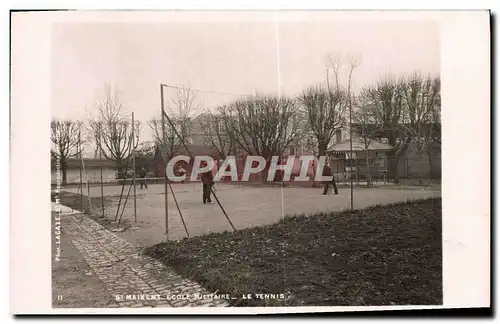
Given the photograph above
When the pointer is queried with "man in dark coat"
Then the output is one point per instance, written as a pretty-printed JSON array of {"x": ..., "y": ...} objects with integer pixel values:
[
  {"x": 142, "y": 178},
  {"x": 207, "y": 178},
  {"x": 327, "y": 172}
]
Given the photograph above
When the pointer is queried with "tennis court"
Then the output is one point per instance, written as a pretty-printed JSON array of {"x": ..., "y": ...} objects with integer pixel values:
[{"x": 246, "y": 206}]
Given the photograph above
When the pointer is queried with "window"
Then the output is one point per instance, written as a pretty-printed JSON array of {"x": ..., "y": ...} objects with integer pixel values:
[
  {"x": 347, "y": 155},
  {"x": 350, "y": 163},
  {"x": 338, "y": 136}
]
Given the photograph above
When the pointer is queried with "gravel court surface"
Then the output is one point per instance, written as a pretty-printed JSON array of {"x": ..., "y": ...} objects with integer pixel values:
[{"x": 246, "y": 206}]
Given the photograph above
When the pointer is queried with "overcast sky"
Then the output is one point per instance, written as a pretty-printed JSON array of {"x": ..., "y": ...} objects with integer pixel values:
[{"x": 267, "y": 54}]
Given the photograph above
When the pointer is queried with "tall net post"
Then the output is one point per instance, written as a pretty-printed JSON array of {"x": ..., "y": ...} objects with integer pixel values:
[
  {"x": 88, "y": 195},
  {"x": 83, "y": 170},
  {"x": 80, "y": 188},
  {"x": 165, "y": 118},
  {"x": 350, "y": 153},
  {"x": 134, "y": 169},
  {"x": 164, "y": 158},
  {"x": 102, "y": 185}
]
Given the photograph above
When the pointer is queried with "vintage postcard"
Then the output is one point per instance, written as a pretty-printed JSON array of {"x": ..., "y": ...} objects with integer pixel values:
[{"x": 265, "y": 161}]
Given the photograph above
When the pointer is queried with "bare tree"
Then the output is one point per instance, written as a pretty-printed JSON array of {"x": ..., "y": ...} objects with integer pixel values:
[
  {"x": 145, "y": 149},
  {"x": 264, "y": 125},
  {"x": 335, "y": 63},
  {"x": 144, "y": 154},
  {"x": 65, "y": 137},
  {"x": 422, "y": 110},
  {"x": 181, "y": 108},
  {"x": 112, "y": 130},
  {"x": 172, "y": 141},
  {"x": 184, "y": 103},
  {"x": 324, "y": 110},
  {"x": 219, "y": 135},
  {"x": 387, "y": 98},
  {"x": 368, "y": 125}
]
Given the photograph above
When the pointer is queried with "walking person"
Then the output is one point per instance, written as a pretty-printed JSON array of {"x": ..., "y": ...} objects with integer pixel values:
[
  {"x": 142, "y": 178},
  {"x": 207, "y": 178},
  {"x": 327, "y": 172}
]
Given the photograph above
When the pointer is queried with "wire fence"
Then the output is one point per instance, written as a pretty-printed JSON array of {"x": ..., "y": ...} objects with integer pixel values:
[
  {"x": 386, "y": 170},
  {"x": 378, "y": 170},
  {"x": 115, "y": 205}
]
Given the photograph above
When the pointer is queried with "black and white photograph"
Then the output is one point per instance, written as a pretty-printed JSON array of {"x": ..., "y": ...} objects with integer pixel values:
[{"x": 249, "y": 159}]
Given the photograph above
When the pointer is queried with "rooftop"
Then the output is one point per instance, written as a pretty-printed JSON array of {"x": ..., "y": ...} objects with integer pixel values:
[{"x": 358, "y": 145}]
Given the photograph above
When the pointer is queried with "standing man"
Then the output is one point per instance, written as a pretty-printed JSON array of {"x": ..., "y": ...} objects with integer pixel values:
[
  {"x": 142, "y": 177},
  {"x": 207, "y": 178},
  {"x": 327, "y": 172}
]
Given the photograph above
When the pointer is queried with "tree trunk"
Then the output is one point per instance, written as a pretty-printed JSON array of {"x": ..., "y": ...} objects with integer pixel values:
[
  {"x": 64, "y": 176},
  {"x": 369, "y": 170},
  {"x": 265, "y": 172},
  {"x": 395, "y": 155},
  {"x": 64, "y": 169},
  {"x": 396, "y": 171},
  {"x": 122, "y": 172},
  {"x": 314, "y": 166},
  {"x": 322, "y": 147},
  {"x": 431, "y": 173},
  {"x": 392, "y": 165},
  {"x": 400, "y": 153}
]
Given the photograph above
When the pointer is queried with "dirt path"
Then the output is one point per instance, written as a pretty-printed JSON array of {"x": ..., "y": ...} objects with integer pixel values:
[
  {"x": 99, "y": 269},
  {"x": 74, "y": 283}
]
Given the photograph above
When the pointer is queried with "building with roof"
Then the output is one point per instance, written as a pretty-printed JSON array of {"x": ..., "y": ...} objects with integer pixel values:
[
  {"x": 413, "y": 164},
  {"x": 91, "y": 172},
  {"x": 342, "y": 163}
]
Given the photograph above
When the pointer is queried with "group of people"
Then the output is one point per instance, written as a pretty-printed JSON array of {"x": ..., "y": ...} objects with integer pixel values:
[{"x": 207, "y": 179}]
